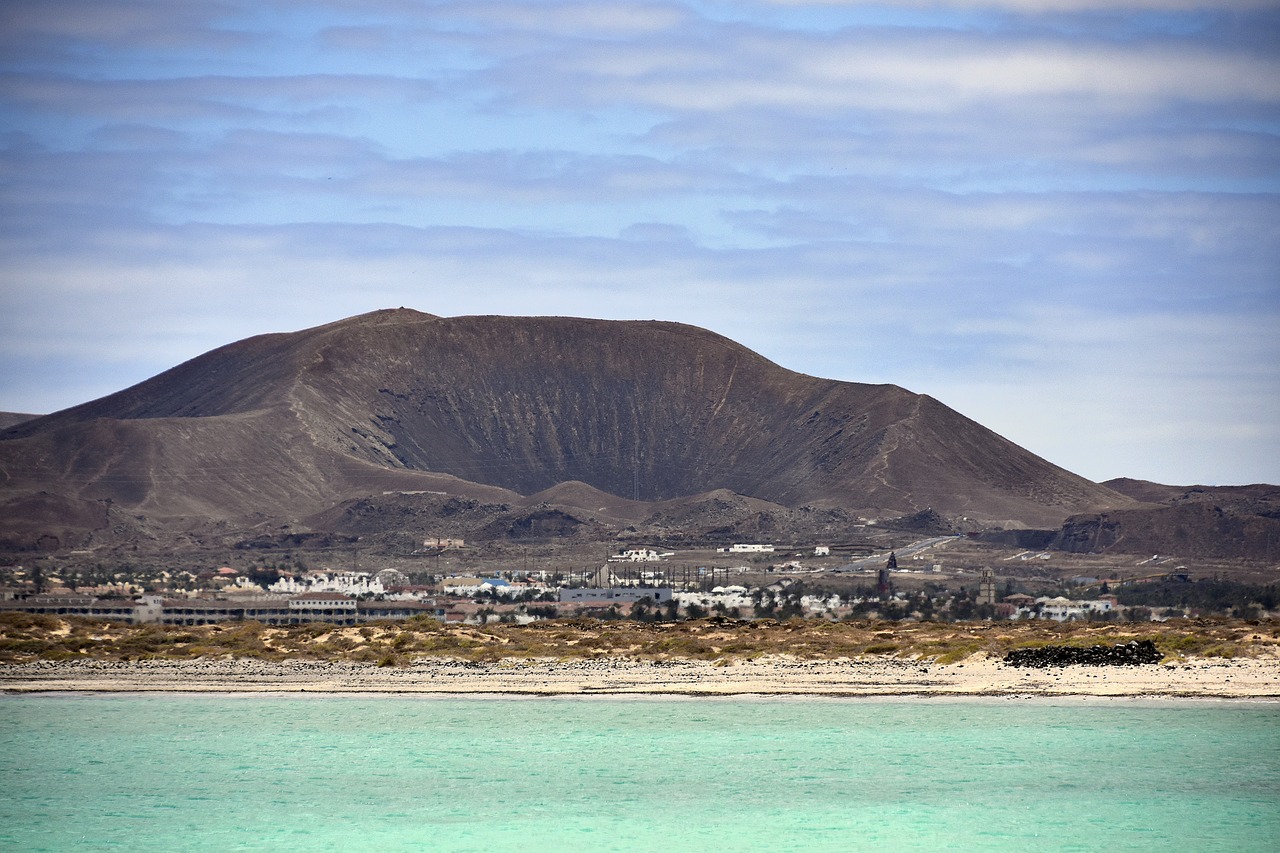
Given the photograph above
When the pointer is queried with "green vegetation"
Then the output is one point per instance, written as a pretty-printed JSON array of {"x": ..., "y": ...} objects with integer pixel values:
[{"x": 1210, "y": 595}]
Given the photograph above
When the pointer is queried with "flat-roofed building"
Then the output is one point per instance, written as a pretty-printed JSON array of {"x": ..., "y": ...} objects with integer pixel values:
[
  {"x": 332, "y": 607},
  {"x": 117, "y": 610},
  {"x": 209, "y": 611},
  {"x": 748, "y": 548},
  {"x": 327, "y": 607},
  {"x": 372, "y": 611},
  {"x": 462, "y": 586}
]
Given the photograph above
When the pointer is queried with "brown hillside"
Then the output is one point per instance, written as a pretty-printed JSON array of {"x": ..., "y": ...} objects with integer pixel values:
[
  {"x": 1144, "y": 490},
  {"x": 9, "y": 419},
  {"x": 1195, "y": 521},
  {"x": 1189, "y": 530},
  {"x": 490, "y": 408}
]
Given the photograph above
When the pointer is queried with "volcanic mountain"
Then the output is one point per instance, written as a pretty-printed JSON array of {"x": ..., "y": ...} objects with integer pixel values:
[{"x": 288, "y": 426}]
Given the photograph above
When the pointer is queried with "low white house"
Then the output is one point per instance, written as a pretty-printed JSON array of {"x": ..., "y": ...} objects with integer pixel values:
[
  {"x": 640, "y": 555},
  {"x": 441, "y": 542},
  {"x": 1062, "y": 609},
  {"x": 347, "y": 583},
  {"x": 747, "y": 548},
  {"x": 728, "y": 596},
  {"x": 461, "y": 586}
]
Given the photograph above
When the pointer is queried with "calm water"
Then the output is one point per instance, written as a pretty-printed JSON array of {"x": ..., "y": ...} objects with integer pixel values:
[{"x": 221, "y": 773}]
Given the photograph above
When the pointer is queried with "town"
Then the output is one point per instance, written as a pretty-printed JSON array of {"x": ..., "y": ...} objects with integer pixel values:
[{"x": 638, "y": 583}]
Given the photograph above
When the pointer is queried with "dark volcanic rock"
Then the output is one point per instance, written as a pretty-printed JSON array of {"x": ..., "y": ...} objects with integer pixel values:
[
  {"x": 1133, "y": 653},
  {"x": 927, "y": 522},
  {"x": 287, "y": 541},
  {"x": 538, "y": 524}
]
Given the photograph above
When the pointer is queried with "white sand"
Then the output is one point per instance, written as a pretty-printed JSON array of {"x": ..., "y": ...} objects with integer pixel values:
[{"x": 1244, "y": 678}]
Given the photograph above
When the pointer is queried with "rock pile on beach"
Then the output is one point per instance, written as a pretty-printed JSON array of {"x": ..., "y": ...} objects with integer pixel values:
[{"x": 1133, "y": 653}]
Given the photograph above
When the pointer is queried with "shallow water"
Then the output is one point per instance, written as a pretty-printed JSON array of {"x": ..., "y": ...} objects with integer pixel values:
[{"x": 224, "y": 772}]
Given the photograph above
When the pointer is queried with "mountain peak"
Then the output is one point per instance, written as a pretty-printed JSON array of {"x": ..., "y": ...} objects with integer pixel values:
[{"x": 285, "y": 425}]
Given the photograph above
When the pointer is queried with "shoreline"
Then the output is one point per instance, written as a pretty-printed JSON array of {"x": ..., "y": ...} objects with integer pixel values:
[{"x": 1254, "y": 679}]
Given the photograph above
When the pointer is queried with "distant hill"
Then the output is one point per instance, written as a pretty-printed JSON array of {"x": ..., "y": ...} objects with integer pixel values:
[
  {"x": 604, "y": 419},
  {"x": 1191, "y": 521},
  {"x": 1144, "y": 490},
  {"x": 1211, "y": 522},
  {"x": 1259, "y": 497},
  {"x": 8, "y": 419}
]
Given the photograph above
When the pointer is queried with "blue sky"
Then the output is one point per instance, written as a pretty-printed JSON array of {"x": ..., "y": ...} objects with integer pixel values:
[{"x": 1060, "y": 217}]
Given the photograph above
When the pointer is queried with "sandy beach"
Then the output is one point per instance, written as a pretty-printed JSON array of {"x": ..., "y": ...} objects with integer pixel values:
[{"x": 1199, "y": 678}]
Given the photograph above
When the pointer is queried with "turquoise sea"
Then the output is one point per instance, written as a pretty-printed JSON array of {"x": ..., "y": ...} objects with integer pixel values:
[{"x": 316, "y": 773}]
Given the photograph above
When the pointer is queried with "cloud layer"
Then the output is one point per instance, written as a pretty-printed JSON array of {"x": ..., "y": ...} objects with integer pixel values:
[{"x": 1059, "y": 218}]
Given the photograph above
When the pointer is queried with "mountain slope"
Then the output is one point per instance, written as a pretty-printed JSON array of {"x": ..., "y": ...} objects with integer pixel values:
[
  {"x": 8, "y": 419},
  {"x": 286, "y": 425},
  {"x": 1190, "y": 521}
]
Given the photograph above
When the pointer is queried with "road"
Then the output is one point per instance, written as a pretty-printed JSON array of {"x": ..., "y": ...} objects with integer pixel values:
[{"x": 877, "y": 561}]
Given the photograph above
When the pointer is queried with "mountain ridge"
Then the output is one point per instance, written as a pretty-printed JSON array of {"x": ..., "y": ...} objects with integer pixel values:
[{"x": 287, "y": 425}]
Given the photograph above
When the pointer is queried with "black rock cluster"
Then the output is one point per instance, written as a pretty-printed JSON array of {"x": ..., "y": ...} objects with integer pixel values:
[{"x": 1132, "y": 653}]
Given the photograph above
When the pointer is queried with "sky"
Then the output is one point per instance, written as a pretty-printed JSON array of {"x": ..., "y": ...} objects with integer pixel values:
[{"x": 1059, "y": 217}]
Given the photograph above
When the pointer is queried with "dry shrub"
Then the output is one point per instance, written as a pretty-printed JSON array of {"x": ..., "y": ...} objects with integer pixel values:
[
  {"x": 26, "y": 637},
  {"x": 16, "y": 621}
]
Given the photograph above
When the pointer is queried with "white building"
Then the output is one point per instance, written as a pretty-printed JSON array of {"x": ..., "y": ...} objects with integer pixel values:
[
  {"x": 819, "y": 605},
  {"x": 323, "y": 607},
  {"x": 347, "y": 583},
  {"x": 461, "y": 586},
  {"x": 1062, "y": 609},
  {"x": 747, "y": 548},
  {"x": 728, "y": 596},
  {"x": 440, "y": 542},
  {"x": 640, "y": 555}
]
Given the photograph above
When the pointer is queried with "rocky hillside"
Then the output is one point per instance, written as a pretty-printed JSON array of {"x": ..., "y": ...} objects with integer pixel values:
[
  {"x": 288, "y": 427},
  {"x": 8, "y": 419},
  {"x": 1190, "y": 521},
  {"x": 1208, "y": 522}
]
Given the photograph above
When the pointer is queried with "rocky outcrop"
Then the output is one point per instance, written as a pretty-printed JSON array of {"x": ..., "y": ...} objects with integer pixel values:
[
  {"x": 1199, "y": 530},
  {"x": 1133, "y": 653}
]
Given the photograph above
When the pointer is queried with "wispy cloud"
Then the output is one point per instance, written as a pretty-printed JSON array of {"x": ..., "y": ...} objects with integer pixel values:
[{"x": 1060, "y": 217}]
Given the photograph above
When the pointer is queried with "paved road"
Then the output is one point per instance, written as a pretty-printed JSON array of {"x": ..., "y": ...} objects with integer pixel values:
[{"x": 877, "y": 561}]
